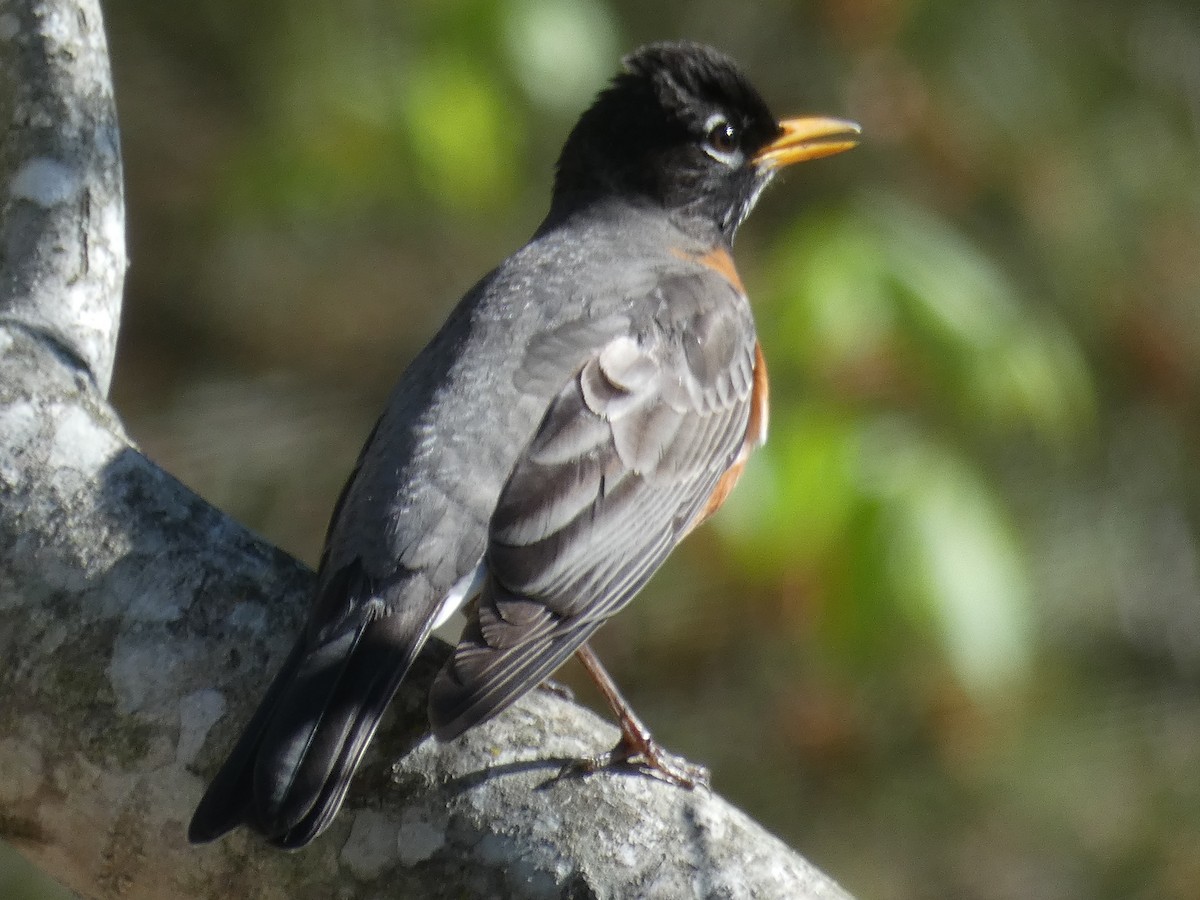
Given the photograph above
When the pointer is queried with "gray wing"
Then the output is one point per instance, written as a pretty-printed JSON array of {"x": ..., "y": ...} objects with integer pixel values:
[{"x": 626, "y": 458}]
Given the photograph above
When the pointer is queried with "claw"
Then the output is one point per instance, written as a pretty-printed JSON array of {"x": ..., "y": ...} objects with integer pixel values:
[
  {"x": 558, "y": 689},
  {"x": 642, "y": 754},
  {"x": 636, "y": 749}
]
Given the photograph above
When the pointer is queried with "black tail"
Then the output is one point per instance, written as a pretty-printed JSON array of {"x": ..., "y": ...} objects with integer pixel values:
[{"x": 289, "y": 772}]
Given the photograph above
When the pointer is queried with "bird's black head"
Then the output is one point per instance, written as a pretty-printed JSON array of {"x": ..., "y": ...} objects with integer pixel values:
[{"x": 682, "y": 128}]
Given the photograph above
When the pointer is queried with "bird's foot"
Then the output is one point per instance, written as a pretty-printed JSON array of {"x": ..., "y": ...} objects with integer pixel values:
[
  {"x": 641, "y": 753},
  {"x": 558, "y": 689}
]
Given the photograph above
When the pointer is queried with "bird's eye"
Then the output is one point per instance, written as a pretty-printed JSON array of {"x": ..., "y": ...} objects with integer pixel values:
[{"x": 721, "y": 138}]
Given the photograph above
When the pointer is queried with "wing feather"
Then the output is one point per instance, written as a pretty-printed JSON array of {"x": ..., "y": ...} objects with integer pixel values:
[{"x": 624, "y": 461}]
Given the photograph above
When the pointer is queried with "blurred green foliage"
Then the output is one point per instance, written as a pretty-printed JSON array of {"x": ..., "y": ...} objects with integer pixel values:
[{"x": 945, "y": 637}]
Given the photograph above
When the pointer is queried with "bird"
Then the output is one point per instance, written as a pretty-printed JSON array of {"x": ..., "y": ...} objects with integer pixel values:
[{"x": 586, "y": 405}]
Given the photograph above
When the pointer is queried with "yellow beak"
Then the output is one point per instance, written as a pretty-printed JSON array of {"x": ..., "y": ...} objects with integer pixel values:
[{"x": 810, "y": 137}]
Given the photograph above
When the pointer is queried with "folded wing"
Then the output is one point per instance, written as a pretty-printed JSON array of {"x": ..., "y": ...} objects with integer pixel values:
[{"x": 623, "y": 463}]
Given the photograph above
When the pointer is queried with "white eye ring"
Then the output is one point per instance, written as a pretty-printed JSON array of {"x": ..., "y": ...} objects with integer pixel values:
[{"x": 721, "y": 140}]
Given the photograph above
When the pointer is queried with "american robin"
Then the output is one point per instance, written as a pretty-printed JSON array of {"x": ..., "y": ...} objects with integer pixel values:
[{"x": 585, "y": 406}]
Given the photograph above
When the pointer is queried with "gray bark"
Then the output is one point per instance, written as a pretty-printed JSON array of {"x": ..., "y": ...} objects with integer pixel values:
[{"x": 138, "y": 625}]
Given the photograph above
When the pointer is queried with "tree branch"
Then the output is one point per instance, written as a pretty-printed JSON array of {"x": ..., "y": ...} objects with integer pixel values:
[
  {"x": 62, "y": 235},
  {"x": 139, "y": 625}
]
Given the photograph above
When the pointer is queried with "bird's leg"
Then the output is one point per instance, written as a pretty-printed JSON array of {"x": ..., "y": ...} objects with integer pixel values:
[{"x": 636, "y": 748}]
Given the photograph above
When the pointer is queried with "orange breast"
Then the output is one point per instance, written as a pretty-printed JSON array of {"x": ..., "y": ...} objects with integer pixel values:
[
  {"x": 720, "y": 261},
  {"x": 756, "y": 435}
]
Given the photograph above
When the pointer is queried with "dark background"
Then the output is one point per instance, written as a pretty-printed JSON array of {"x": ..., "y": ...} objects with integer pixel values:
[{"x": 945, "y": 638}]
